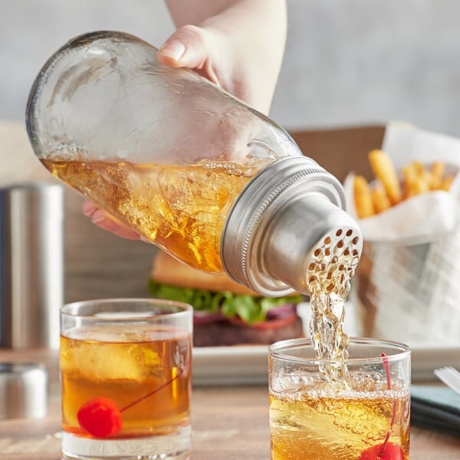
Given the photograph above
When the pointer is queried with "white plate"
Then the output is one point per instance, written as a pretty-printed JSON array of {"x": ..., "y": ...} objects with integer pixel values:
[
  {"x": 243, "y": 365},
  {"x": 246, "y": 365}
]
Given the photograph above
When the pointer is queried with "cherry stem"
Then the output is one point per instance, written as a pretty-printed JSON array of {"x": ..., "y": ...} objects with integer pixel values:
[
  {"x": 156, "y": 390},
  {"x": 386, "y": 365}
]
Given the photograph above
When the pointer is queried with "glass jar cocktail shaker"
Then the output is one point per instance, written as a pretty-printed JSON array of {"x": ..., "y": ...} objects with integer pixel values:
[{"x": 191, "y": 168}]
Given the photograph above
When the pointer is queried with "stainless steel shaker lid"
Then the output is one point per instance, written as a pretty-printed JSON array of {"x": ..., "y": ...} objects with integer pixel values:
[
  {"x": 23, "y": 390},
  {"x": 279, "y": 221}
]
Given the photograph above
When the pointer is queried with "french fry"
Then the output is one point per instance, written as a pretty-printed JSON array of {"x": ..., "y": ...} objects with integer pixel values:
[
  {"x": 437, "y": 173},
  {"x": 363, "y": 197},
  {"x": 418, "y": 186},
  {"x": 419, "y": 168},
  {"x": 446, "y": 183},
  {"x": 409, "y": 178},
  {"x": 389, "y": 189},
  {"x": 379, "y": 199},
  {"x": 424, "y": 176},
  {"x": 416, "y": 179},
  {"x": 385, "y": 172}
]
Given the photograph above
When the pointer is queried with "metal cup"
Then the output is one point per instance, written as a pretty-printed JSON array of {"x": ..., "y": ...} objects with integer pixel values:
[
  {"x": 23, "y": 390},
  {"x": 31, "y": 264}
]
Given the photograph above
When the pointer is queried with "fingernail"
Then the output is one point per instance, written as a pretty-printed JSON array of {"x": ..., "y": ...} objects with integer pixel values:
[
  {"x": 173, "y": 49},
  {"x": 88, "y": 208},
  {"x": 98, "y": 217}
]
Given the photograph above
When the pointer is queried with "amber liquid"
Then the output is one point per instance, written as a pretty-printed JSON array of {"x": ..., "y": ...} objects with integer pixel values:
[
  {"x": 340, "y": 414},
  {"x": 336, "y": 426},
  {"x": 148, "y": 366},
  {"x": 179, "y": 208},
  {"x": 330, "y": 271}
]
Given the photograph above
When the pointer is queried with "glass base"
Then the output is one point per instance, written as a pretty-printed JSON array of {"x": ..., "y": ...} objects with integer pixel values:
[{"x": 175, "y": 446}]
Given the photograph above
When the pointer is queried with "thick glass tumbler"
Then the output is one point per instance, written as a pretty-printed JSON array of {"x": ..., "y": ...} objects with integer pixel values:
[
  {"x": 363, "y": 416},
  {"x": 126, "y": 379}
]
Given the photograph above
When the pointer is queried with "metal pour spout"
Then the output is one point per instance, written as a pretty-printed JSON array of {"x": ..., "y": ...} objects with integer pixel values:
[{"x": 288, "y": 212}]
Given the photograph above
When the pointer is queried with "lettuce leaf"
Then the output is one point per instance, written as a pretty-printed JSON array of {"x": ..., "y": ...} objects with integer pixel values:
[{"x": 249, "y": 308}]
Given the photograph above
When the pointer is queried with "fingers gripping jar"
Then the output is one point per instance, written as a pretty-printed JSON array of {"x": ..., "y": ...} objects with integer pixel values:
[{"x": 191, "y": 168}]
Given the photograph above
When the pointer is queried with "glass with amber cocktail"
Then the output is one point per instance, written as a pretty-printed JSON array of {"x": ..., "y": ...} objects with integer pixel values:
[
  {"x": 357, "y": 408},
  {"x": 126, "y": 379}
]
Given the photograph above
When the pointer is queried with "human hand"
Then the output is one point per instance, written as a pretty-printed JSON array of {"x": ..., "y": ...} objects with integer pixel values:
[
  {"x": 189, "y": 47},
  {"x": 237, "y": 44},
  {"x": 107, "y": 222},
  {"x": 213, "y": 55}
]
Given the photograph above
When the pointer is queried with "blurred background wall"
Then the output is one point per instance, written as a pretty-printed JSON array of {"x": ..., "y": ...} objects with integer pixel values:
[{"x": 347, "y": 62}]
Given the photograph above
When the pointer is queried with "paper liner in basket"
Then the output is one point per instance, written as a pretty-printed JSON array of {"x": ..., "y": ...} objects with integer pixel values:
[{"x": 423, "y": 217}]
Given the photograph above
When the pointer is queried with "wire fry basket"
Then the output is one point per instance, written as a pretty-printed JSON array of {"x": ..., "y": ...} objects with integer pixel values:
[{"x": 410, "y": 292}]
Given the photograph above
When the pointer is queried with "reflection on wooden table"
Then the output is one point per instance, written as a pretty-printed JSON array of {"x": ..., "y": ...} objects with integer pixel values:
[{"x": 228, "y": 423}]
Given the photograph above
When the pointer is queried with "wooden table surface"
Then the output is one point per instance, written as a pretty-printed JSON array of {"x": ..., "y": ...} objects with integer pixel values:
[{"x": 228, "y": 424}]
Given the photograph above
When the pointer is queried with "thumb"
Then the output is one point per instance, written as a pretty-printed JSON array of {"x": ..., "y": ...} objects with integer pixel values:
[{"x": 185, "y": 48}]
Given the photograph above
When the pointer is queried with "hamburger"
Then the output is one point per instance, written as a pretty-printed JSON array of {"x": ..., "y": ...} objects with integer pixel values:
[{"x": 225, "y": 312}]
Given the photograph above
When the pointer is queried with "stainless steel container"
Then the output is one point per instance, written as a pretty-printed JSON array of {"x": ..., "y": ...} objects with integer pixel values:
[
  {"x": 31, "y": 264},
  {"x": 23, "y": 390}
]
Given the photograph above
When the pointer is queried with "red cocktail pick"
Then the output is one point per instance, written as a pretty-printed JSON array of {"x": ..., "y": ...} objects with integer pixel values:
[
  {"x": 386, "y": 450},
  {"x": 100, "y": 417}
]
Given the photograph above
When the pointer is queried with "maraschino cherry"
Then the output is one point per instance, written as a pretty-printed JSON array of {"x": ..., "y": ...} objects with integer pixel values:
[
  {"x": 101, "y": 417},
  {"x": 386, "y": 450}
]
